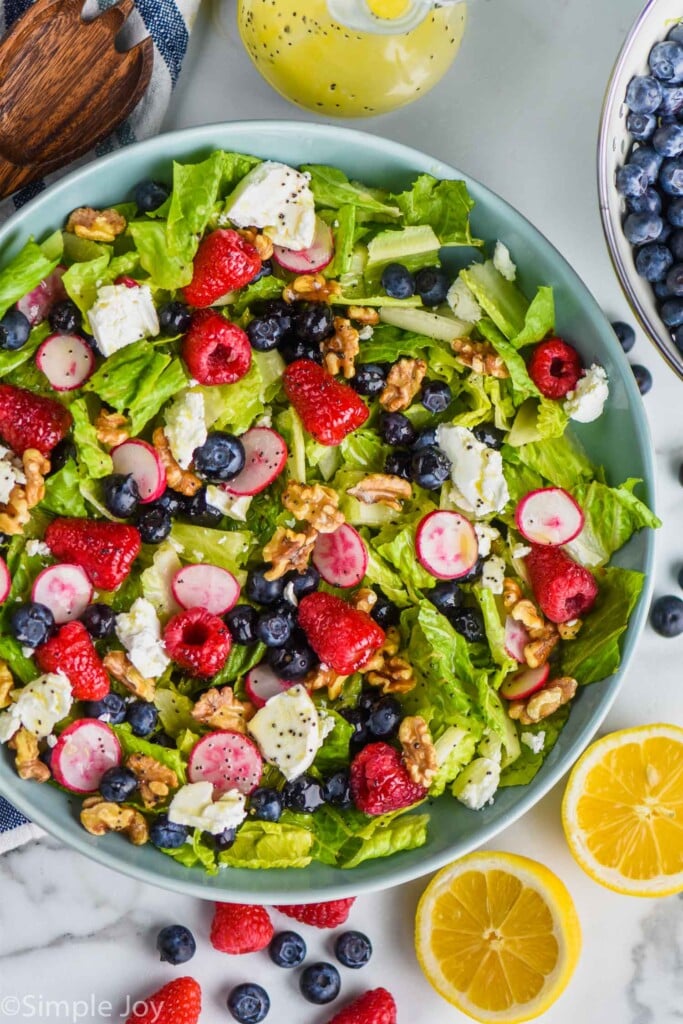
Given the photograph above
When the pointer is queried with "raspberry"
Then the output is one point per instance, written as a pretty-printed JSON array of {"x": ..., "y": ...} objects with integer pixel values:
[
  {"x": 380, "y": 783},
  {"x": 376, "y": 1006},
  {"x": 71, "y": 651},
  {"x": 105, "y": 550},
  {"x": 320, "y": 915},
  {"x": 328, "y": 409},
  {"x": 563, "y": 589},
  {"x": 29, "y": 421},
  {"x": 198, "y": 641},
  {"x": 342, "y": 637},
  {"x": 239, "y": 928},
  {"x": 179, "y": 1002},
  {"x": 555, "y": 368},
  {"x": 215, "y": 351},
  {"x": 224, "y": 262}
]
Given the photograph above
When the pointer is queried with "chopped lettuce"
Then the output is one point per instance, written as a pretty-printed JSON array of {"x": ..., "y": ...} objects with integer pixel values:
[
  {"x": 522, "y": 383},
  {"x": 495, "y": 630},
  {"x": 196, "y": 852},
  {"x": 539, "y": 319},
  {"x": 20, "y": 666},
  {"x": 333, "y": 189},
  {"x": 242, "y": 657},
  {"x": 23, "y": 273},
  {"x": 234, "y": 407},
  {"x": 397, "y": 547},
  {"x": 344, "y": 227},
  {"x": 83, "y": 279},
  {"x": 559, "y": 460},
  {"x": 169, "y": 757},
  {"x": 500, "y": 299},
  {"x": 347, "y": 839},
  {"x": 613, "y": 514},
  {"x": 266, "y": 844},
  {"x": 175, "y": 712},
  {"x": 334, "y": 753},
  {"x": 14, "y": 360},
  {"x": 522, "y": 770},
  {"x": 363, "y": 449},
  {"x": 454, "y": 749},
  {"x": 265, "y": 288},
  {"x": 444, "y": 205},
  {"x": 62, "y": 493},
  {"x": 166, "y": 270},
  {"x": 228, "y": 549},
  {"x": 91, "y": 458},
  {"x": 156, "y": 579}
]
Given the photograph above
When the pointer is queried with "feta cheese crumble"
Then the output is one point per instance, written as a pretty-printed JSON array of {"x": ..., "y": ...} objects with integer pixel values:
[
  {"x": 193, "y": 805},
  {"x": 38, "y": 706},
  {"x": 463, "y": 303},
  {"x": 485, "y": 536},
  {"x": 493, "y": 574},
  {"x": 139, "y": 630},
  {"x": 11, "y": 473},
  {"x": 185, "y": 427},
  {"x": 37, "y": 547},
  {"x": 521, "y": 551},
  {"x": 121, "y": 316},
  {"x": 586, "y": 402},
  {"x": 277, "y": 199},
  {"x": 235, "y": 508},
  {"x": 289, "y": 731},
  {"x": 476, "y": 784},
  {"x": 534, "y": 740},
  {"x": 503, "y": 262},
  {"x": 479, "y": 487}
]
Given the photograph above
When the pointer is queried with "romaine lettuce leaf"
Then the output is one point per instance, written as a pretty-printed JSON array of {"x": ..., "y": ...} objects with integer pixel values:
[
  {"x": 62, "y": 494},
  {"x": 196, "y": 852},
  {"x": 266, "y": 844},
  {"x": 495, "y": 630},
  {"x": 175, "y": 712},
  {"x": 228, "y": 549},
  {"x": 333, "y": 189},
  {"x": 347, "y": 838},
  {"x": 83, "y": 279},
  {"x": 138, "y": 380},
  {"x": 169, "y": 757},
  {"x": 454, "y": 749},
  {"x": 397, "y": 547},
  {"x": 363, "y": 449},
  {"x": 265, "y": 288},
  {"x": 500, "y": 299},
  {"x": 156, "y": 579},
  {"x": 334, "y": 753},
  {"x": 522, "y": 383},
  {"x": 344, "y": 228},
  {"x": 23, "y": 273},
  {"x": 444, "y": 205},
  {"x": 539, "y": 319},
  {"x": 166, "y": 270},
  {"x": 560, "y": 460},
  {"x": 242, "y": 657},
  {"x": 90, "y": 456},
  {"x": 389, "y": 581},
  {"x": 234, "y": 407},
  {"x": 612, "y": 514},
  {"x": 20, "y": 666},
  {"x": 14, "y": 360},
  {"x": 523, "y": 769},
  {"x": 495, "y": 714}
]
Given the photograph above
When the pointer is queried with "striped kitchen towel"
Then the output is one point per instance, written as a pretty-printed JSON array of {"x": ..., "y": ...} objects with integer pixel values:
[{"x": 169, "y": 23}]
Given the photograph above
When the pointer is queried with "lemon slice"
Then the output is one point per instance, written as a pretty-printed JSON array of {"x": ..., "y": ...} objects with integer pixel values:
[
  {"x": 498, "y": 936},
  {"x": 622, "y": 811},
  {"x": 389, "y": 9}
]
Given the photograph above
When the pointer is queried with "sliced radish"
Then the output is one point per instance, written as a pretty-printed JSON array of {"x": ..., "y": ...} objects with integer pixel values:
[
  {"x": 341, "y": 557},
  {"x": 141, "y": 461},
  {"x": 129, "y": 282},
  {"x": 549, "y": 516},
  {"x": 66, "y": 360},
  {"x": 315, "y": 257},
  {"x": 265, "y": 457},
  {"x": 525, "y": 682},
  {"x": 261, "y": 683},
  {"x": 205, "y": 586},
  {"x": 83, "y": 753},
  {"x": 516, "y": 639},
  {"x": 5, "y": 581},
  {"x": 446, "y": 545},
  {"x": 65, "y": 590},
  {"x": 35, "y": 305},
  {"x": 228, "y": 760}
]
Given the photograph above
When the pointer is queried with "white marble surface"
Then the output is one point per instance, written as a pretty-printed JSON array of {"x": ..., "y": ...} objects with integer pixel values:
[{"x": 519, "y": 111}]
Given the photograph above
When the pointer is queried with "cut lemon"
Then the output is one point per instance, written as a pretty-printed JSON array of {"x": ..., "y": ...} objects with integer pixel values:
[
  {"x": 622, "y": 811},
  {"x": 498, "y": 936}
]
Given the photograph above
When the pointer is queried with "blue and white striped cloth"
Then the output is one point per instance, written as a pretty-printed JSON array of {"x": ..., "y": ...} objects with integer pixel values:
[{"x": 169, "y": 23}]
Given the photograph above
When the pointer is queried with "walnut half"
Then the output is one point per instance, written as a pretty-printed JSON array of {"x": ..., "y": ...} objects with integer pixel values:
[
  {"x": 99, "y": 817},
  {"x": 27, "y": 760},
  {"x": 404, "y": 380},
  {"x": 6, "y": 685},
  {"x": 311, "y": 288},
  {"x": 182, "y": 480},
  {"x": 419, "y": 753},
  {"x": 220, "y": 709},
  {"x": 155, "y": 780},
  {"x": 112, "y": 428},
  {"x": 387, "y": 670},
  {"x": 314, "y": 504},
  {"x": 544, "y": 702},
  {"x": 124, "y": 671},
  {"x": 382, "y": 489},
  {"x": 287, "y": 550},
  {"x": 96, "y": 225},
  {"x": 480, "y": 356},
  {"x": 324, "y": 676},
  {"x": 339, "y": 351}
]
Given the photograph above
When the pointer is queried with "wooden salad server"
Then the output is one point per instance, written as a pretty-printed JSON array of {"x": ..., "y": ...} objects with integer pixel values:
[{"x": 64, "y": 86}]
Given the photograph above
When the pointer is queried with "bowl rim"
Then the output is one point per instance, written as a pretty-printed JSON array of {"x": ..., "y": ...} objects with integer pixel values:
[
  {"x": 652, "y": 328},
  {"x": 397, "y": 871}
]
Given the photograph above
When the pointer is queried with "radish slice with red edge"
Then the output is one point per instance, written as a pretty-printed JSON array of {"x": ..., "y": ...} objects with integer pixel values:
[
  {"x": 261, "y": 683},
  {"x": 307, "y": 261},
  {"x": 525, "y": 682},
  {"x": 226, "y": 759},
  {"x": 65, "y": 590},
  {"x": 265, "y": 454},
  {"x": 446, "y": 545},
  {"x": 66, "y": 360},
  {"x": 341, "y": 557},
  {"x": 516, "y": 639},
  {"x": 83, "y": 753},
  {"x": 549, "y": 516},
  {"x": 36, "y": 304},
  {"x": 141, "y": 461},
  {"x": 5, "y": 581},
  {"x": 205, "y": 586}
]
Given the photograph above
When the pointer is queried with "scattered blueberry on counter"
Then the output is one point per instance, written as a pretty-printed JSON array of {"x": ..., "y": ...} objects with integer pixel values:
[
  {"x": 320, "y": 983},
  {"x": 666, "y": 616},
  {"x": 249, "y": 1004},
  {"x": 287, "y": 949},
  {"x": 353, "y": 949},
  {"x": 176, "y": 944}
]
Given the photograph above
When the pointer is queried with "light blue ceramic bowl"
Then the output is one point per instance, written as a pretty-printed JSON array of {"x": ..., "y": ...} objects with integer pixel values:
[{"x": 620, "y": 441}]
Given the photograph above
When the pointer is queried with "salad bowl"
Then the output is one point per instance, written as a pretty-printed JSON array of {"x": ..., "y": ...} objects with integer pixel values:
[{"x": 619, "y": 441}]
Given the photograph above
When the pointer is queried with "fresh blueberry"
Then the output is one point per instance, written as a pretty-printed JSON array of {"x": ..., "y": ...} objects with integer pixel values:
[
  {"x": 631, "y": 181},
  {"x": 99, "y": 620},
  {"x": 162, "y": 739},
  {"x": 384, "y": 720},
  {"x": 680, "y": 577},
  {"x": 198, "y": 510},
  {"x": 241, "y": 621},
  {"x": 676, "y": 245},
  {"x": 666, "y": 61},
  {"x": 120, "y": 495},
  {"x": 474, "y": 573},
  {"x": 248, "y": 1003},
  {"x": 357, "y": 718},
  {"x": 337, "y": 790},
  {"x": 677, "y": 336},
  {"x": 446, "y": 596},
  {"x": 396, "y": 429},
  {"x": 261, "y": 590},
  {"x": 397, "y": 281},
  {"x": 223, "y": 841},
  {"x": 65, "y": 317},
  {"x": 111, "y": 709},
  {"x": 175, "y": 944},
  {"x": 284, "y": 311},
  {"x": 370, "y": 378},
  {"x": 643, "y": 377},
  {"x": 265, "y": 270},
  {"x": 150, "y": 195},
  {"x": 668, "y": 140},
  {"x": 287, "y": 949},
  {"x": 398, "y": 464},
  {"x": 641, "y": 126},
  {"x": 304, "y": 795},
  {"x": 644, "y": 94},
  {"x": 671, "y": 102},
  {"x": 220, "y": 458},
  {"x": 154, "y": 524},
  {"x": 32, "y": 624},
  {"x": 353, "y": 949},
  {"x": 666, "y": 616},
  {"x": 118, "y": 784},
  {"x": 654, "y": 261},
  {"x": 671, "y": 311},
  {"x": 175, "y": 318},
  {"x": 367, "y": 702},
  {"x": 490, "y": 435},
  {"x": 674, "y": 284},
  {"x": 293, "y": 349},
  {"x": 660, "y": 289},
  {"x": 265, "y": 333},
  {"x": 314, "y": 324},
  {"x": 167, "y": 835},
  {"x": 294, "y": 661},
  {"x": 665, "y": 233},
  {"x": 61, "y": 453},
  {"x": 649, "y": 202},
  {"x": 320, "y": 983},
  {"x": 274, "y": 626},
  {"x": 647, "y": 160},
  {"x": 436, "y": 396},
  {"x": 142, "y": 717},
  {"x": 170, "y": 501},
  {"x": 625, "y": 335},
  {"x": 14, "y": 330},
  {"x": 303, "y": 583},
  {"x": 641, "y": 228},
  {"x": 674, "y": 213},
  {"x": 430, "y": 468},
  {"x": 384, "y": 612},
  {"x": 676, "y": 33},
  {"x": 425, "y": 438},
  {"x": 671, "y": 176},
  {"x": 431, "y": 284},
  {"x": 469, "y": 623},
  {"x": 265, "y": 804}
]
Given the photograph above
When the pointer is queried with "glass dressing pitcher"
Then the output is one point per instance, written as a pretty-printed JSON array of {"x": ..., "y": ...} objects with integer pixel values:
[{"x": 352, "y": 58}]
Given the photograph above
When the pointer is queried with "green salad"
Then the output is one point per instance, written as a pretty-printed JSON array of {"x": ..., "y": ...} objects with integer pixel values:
[{"x": 296, "y": 534}]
